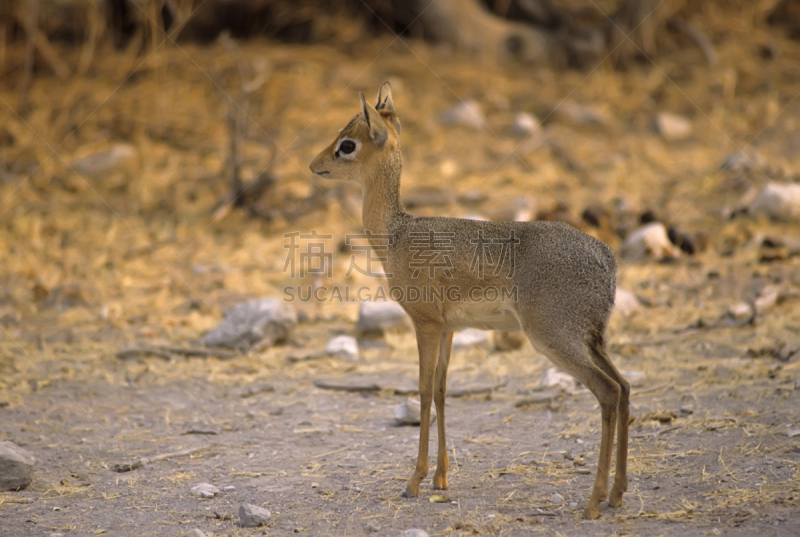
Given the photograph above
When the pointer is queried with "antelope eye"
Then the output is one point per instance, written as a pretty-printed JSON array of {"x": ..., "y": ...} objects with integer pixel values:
[{"x": 347, "y": 146}]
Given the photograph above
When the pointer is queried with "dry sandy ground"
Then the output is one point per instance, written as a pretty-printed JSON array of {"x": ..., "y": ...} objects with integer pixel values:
[{"x": 93, "y": 262}]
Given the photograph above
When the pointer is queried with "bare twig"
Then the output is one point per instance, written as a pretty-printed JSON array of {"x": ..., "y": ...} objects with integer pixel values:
[
  {"x": 169, "y": 352},
  {"x": 138, "y": 463},
  {"x": 698, "y": 38}
]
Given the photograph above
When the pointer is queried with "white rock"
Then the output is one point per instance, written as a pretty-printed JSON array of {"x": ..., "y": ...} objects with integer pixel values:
[
  {"x": 673, "y": 127},
  {"x": 196, "y": 533},
  {"x": 204, "y": 490},
  {"x": 740, "y": 311},
  {"x": 104, "y": 161},
  {"x": 767, "y": 299},
  {"x": 777, "y": 201},
  {"x": 252, "y": 516},
  {"x": 408, "y": 412},
  {"x": 467, "y": 113},
  {"x": 228, "y": 488},
  {"x": 557, "y": 498},
  {"x": 263, "y": 321},
  {"x": 579, "y": 115},
  {"x": 525, "y": 124},
  {"x": 343, "y": 347},
  {"x": 469, "y": 338},
  {"x": 415, "y": 533},
  {"x": 651, "y": 241},
  {"x": 626, "y": 303},
  {"x": 553, "y": 378},
  {"x": 16, "y": 466},
  {"x": 378, "y": 317}
]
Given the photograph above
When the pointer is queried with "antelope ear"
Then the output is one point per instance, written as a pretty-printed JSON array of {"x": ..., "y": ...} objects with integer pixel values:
[
  {"x": 386, "y": 105},
  {"x": 377, "y": 128},
  {"x": 385, "y": 101}
]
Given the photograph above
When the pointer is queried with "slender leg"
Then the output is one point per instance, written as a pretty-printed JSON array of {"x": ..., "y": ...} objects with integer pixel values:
[
  {"x": 623, "y": 416},
  {"x": 439, "y": 391},
  {"x": 600, "y": 491},
  {"x": 588, "y": 365},
  {"x": 428, "y": 341}
]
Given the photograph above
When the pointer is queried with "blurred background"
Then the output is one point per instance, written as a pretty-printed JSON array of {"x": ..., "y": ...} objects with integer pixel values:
[
  {"x": 160, "y": 147},
  {"x": 154, "y": 161}
]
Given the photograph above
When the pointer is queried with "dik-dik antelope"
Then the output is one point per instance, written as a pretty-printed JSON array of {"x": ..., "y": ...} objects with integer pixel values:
[{"x": 550, "y": 280}]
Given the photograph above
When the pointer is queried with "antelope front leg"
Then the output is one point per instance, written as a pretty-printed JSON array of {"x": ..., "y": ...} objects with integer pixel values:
[
  {"x": 439, "y": 391},
  {"x": 428, "y": 340}
]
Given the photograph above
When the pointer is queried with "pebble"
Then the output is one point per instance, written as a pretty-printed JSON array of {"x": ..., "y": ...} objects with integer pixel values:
[
  {"x": 378, "y": 317},
  {"x": 553, "y": 378},
  {"x": 673, "y": 127},
  {"x": 196, "y": 533},
  {"x": 252, "y": 516},
  {"x": 408, "y": 412},
  {"x": 777, "y": 201},
  {"x": 104, "y": 161},
  {"x": 579, "y": 115},
  {"x": 741, "y": 311},
  {"x": 470, "y": 338},
  {"x": 525, "y": 124},
  {"x": 228, "y": 488},
  {"x": 414, "y": 532},
  {"x": 343, "y": 347},
  {"x": 204, "y": 490},
  {"x": 650, "y": 240},
  {"x": 466, "y": 113},
  {"x": 263, "y": 321},
  {"x": 16, "y": 466},
  {"x": 557, "y": 498},
  {"x": 626, "y": 303}
]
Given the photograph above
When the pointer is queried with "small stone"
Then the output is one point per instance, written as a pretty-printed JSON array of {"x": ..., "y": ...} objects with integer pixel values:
[
  {"x": 777, "y": 201},
  {"x": 373, "y": 527},
  {"x": 626, "y": 303},
  {"x": 408, "y": 412},
  {"x": 228, "y": 488},
  {"x": 252, "y": 516},
  {"x": 651, "y": 241},
  {"x": 578, "y": 115},
  {"x": 16, "y": 466},
  {"x": 466, "y": 113},
  {"x": 741, "y": 311},
  {"x": 525, "y": 124},
  {"x": 204, "y": 490},
  {"x": 343, "y": 347},
  {"x": 673, "y": 127},
  {"x": 767, "y": 299},
  {"x": 415, "y": 533},
  {"x": 742, "y": 161},
  {"x": 104, "y": 161},
  {"x": 264, "y": 321},
  {"x": 557, "y": 498},
  {"x": 379, "y": 317},
  {"x": 553, "y": 378},
  {"x": 470, "y": 338},
  {"x": 59, "y": 534},
  {"x": 196, "y": 533},
  {"x": 791, "y": 433}
]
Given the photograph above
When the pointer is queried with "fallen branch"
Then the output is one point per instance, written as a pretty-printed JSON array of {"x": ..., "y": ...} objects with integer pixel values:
[
  {"x": 656, "y": 433},
  {"x": 169, "y": 352},
  {"x": 138, "y": 463},
  {"x": 697, "y": 38}
]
